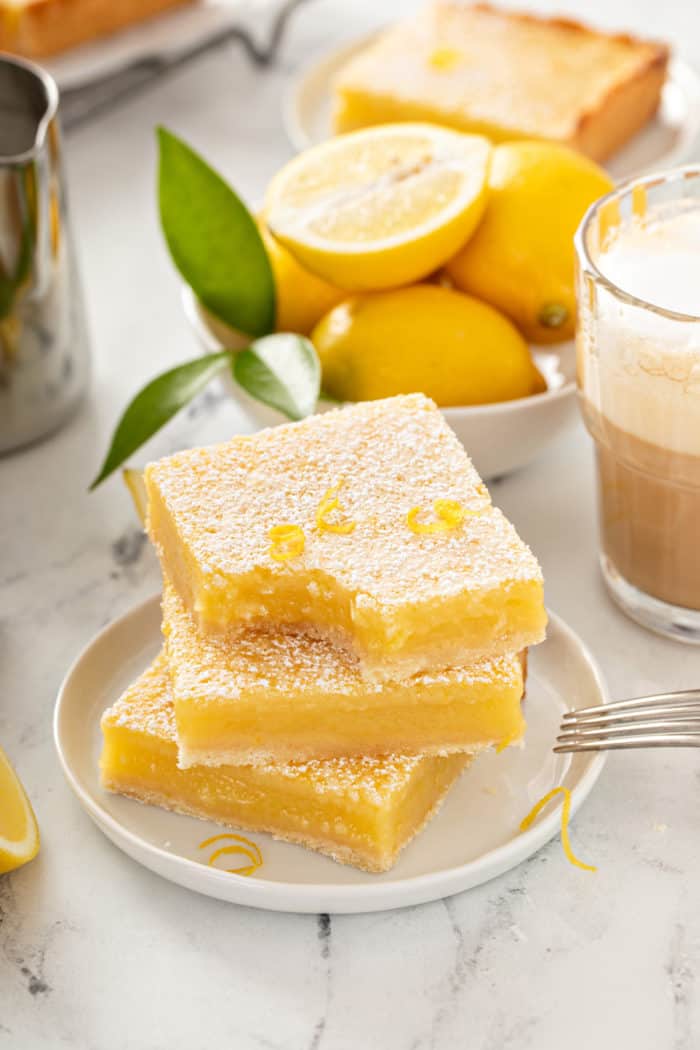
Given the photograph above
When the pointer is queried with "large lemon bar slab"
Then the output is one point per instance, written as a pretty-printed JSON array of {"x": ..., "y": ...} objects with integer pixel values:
[
  {"x": 274, "y": 696},
  {"x": 403, "y": 599},
  {"x": 505, "y": 75},
  {"x": 359, "y": 811}
]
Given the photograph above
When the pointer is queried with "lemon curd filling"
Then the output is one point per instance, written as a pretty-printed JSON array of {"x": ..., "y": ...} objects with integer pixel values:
[
  {"x": 278, "y": 696},
  {"x": 400, "y": 600},
  {"x": 359, "y": 811}
]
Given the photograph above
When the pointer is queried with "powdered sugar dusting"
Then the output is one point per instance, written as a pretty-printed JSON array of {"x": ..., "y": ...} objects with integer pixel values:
[
  {"x": 146, "y": 706},
  {"x": 394, "y": 455}
]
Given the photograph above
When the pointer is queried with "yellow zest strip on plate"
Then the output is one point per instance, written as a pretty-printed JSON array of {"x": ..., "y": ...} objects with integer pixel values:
[
  {"x": 328, "y": 504},
  {"x": 565, "y": 812},
  {"x": 286, "y": 541},
  {"x": 240, "y": 845},
  {"x": 449, "y": 513}
]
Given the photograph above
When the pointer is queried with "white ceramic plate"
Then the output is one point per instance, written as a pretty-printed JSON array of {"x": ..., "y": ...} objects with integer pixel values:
[
  {"x": 667, "y": 140},
  {"x": 473, "y": 838},
  {"x": 165, "y": 38},
  {"x": 499, "y": 438}
]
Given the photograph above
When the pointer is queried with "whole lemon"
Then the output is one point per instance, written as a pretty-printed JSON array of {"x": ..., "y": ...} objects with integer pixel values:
[
  {"x": 521, "y": 258},
  {"x": 425, "y": 338},
  {"x": 302, "y": 298}
]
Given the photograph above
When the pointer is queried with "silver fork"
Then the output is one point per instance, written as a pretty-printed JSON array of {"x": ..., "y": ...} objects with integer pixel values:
[{"x": 663, "y": 720}]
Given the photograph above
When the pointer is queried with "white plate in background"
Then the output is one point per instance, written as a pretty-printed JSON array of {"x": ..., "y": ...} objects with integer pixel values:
[
  {"x": 472, "y": 839},
  {"x": 166, "y": 36},
  {"x": 669, "y": 139}
]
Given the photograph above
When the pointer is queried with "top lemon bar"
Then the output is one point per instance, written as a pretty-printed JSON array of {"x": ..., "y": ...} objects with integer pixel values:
[
  {"x": 367, "y": 524},
  {"x": 505, "y": 75}
]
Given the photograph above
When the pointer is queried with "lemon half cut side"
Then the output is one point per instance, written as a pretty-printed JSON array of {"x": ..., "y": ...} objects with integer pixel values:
[
  {"x": 19, "y": 833},
  {"x": 380, "y": 207}
]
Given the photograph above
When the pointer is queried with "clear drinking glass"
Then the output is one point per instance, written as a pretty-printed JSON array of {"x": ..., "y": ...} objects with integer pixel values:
[{"x": 638, "y": 359}]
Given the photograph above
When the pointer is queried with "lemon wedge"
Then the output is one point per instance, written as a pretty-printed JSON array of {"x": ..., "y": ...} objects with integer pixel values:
[
  {"x": 19, "y": 833},
  {"x": 380, "y": 207}
]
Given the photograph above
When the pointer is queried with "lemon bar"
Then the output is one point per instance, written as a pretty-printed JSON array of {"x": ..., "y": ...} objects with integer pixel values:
[
  {"x": 367, "y": 524},
  {"x": 505, "y": 75},
  {"x": 359, "y": 811},
  {"x": 267, "y": 696},
  {"x": 35, "y": 28}
]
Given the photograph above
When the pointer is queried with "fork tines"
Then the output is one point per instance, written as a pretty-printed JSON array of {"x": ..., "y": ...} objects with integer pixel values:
[{"x": 664, "y": 720}]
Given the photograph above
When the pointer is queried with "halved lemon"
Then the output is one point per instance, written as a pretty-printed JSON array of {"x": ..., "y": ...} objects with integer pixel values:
[
  {"x": 380, "y": 207},
  {"x": 19, "y": 833}
]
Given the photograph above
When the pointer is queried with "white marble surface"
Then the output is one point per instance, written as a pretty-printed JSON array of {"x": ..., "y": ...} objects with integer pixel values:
[{"x": 98, "y": 954}]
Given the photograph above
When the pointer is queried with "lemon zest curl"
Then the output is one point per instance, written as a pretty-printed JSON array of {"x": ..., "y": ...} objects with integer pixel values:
[
  {"x": 328, "y": 504},
  {"x": 449, "y": 513},
  {"x": 239, "y": 844},
  {"x": 565, "y": 813},
  {"x": 286, "y": 542}
]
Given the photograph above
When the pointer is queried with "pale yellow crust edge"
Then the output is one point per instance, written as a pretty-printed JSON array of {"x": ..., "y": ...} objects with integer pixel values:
[
  {"x": 189, "y": 757},
  {"x": 628, "y": 106},
  {"x": 340, "y": 854},
  {"x": 624, "y": 111}
]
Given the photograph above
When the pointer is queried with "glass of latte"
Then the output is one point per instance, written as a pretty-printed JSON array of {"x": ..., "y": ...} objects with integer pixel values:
[{"x": 638, "y": 353}]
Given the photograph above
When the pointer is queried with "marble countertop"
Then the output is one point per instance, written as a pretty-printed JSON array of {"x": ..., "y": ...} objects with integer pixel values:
[{"x": 99, "y": 954}]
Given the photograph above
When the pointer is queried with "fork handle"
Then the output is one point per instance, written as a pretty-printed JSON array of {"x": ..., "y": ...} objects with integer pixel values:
[
  {"x": 630, "y": 742},
  {"x": 682, "y": 696}
]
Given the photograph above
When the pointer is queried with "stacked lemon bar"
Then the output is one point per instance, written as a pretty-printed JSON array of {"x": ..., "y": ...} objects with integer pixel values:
[{"x": 344, "y": 618}]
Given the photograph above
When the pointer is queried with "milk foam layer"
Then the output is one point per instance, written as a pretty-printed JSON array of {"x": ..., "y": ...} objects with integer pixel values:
[
  {"x": 659, "y": 261},
  {"x": 640, "y": 369}
]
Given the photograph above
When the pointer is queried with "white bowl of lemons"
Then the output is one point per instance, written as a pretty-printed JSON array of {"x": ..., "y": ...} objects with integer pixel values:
[
  {"x": 500, "y": 437},
  {"x": 420, "y": 259}
]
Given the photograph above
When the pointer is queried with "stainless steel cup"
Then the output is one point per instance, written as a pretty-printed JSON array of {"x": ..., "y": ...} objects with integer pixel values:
[{"x": 44, "y": 352}]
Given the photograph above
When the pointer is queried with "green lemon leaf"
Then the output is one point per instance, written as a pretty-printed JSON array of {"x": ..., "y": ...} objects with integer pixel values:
[
  {"x": 158, "y": 402},
  {"x": 282, "y": 371},
  {"x": 213, "y": 240}
]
